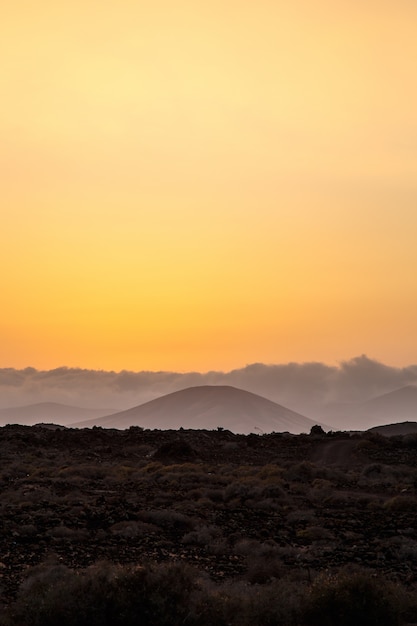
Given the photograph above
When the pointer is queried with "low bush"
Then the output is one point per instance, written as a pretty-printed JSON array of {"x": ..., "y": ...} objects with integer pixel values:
[
  {"x": 352, "y": 598},
  {"x": 104, "y": 595},
  {"x": 174, "y": 594},
  {"x": 401, "y": 503}
]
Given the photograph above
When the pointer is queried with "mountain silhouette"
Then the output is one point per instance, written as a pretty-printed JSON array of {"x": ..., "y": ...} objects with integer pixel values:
[
  {"x": 48, "y": 412},
  {"x": 401, "y": 428},
  {"x": 208, "y": 407},
  {"x": 399, "y": 405}
]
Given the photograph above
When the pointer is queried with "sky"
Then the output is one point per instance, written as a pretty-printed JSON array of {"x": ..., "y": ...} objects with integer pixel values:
[{"x": 193, "y": 186}]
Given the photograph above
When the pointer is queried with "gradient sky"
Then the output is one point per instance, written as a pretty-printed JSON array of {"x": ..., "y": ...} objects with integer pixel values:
[{"x": 200, "y": 185}]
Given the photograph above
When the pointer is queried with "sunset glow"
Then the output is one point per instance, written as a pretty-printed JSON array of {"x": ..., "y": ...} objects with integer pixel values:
[{"x": 200, "y": 185}]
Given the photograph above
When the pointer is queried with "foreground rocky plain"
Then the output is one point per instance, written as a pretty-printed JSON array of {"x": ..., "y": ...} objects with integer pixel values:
[{"x": 243, "y": 510}]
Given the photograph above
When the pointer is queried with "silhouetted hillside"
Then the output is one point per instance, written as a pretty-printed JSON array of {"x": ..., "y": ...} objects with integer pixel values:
[{"x": 391, "y": 430}]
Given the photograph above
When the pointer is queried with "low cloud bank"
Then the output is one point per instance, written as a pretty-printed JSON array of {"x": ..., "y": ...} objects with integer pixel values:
[{"x": 310, "y": 388}]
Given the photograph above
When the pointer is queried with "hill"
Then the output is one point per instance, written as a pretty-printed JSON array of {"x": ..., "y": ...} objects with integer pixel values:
[
  {"x": 396, "y": 406},
  {"x": 209, "y": 407},
  {"x": 61, "y": 414},
  {"x": 390, "y": 430}
]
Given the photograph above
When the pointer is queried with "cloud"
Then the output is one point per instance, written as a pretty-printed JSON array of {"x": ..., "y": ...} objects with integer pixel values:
[
  {"x": 306, "y": 387},
  {"x": 362, "y": 378},
  {"x": 285, "y": 382}
]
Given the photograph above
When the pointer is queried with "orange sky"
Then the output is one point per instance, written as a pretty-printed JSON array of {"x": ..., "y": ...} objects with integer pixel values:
[{"x": 200, "y": 185}]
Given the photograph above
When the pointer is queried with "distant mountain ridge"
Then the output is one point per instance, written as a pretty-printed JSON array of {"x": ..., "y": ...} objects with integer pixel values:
[
  {"x": 48, "y": 412},
  {"x": 406, "y": 397},
  {"x": 399, "y": 405},
  {"x": 209, "y": 407}
]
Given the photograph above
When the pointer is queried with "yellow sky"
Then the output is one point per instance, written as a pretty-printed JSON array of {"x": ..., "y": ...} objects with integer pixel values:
[{"x": 201, "y": 185}]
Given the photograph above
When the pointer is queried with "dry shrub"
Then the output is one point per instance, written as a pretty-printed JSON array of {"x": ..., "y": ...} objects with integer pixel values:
[
  {"x": 263, "y": 568},
  {"x": 27, "y": 530},
  {"x": 132, "y": 529},
  {"x": 277, "y": 604},
  {"x": 237, "y": 492},
  {"x": 263, "y": 560},
  {"x": 271, "y": 472},
  {"x": 168, "y": 519},
  {"x": 401, "y": 503},
  {"x": 104, "y": 595},
  {"x": 352, "y": 598},
  {"x": 266, "y": 504},
  {"x": 63, "y": 532},
  {"x": 203, "y": 536},
  {"x": 84, "y": 471},
  {"x": 315, "y": 533},
  {"x": 173, "y": 594},
  {"x": 300, "y": 516},
  {"x": 215, "y": 495},
  {"x": 301, "y": 472}
]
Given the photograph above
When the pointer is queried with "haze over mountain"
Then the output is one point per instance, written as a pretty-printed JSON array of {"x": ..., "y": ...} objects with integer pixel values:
[
  {"x": 399, "y": 405},
  {"x": 335, "y": 395},
  {"x": 208, "y": 407},
  {"x": 47, "y": 412}
]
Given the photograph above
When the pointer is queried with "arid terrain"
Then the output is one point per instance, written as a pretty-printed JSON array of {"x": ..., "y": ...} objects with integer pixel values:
[{"x": 254, "y": 511}]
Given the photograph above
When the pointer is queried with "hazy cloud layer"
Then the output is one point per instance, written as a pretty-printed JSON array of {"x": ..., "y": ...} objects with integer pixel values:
[{"x": 306, "y": 387}]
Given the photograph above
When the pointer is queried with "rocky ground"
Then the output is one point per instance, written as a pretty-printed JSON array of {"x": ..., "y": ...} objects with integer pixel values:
[{"x": 250, "y": 507}]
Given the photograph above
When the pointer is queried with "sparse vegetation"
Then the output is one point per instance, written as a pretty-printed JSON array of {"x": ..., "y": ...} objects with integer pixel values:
[{"x": 206, "y": 528}]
